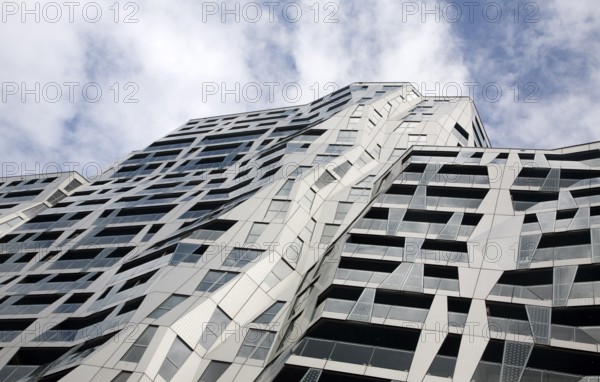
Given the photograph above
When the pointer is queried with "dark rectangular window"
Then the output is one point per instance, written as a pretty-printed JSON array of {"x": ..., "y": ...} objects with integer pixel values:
[
  {"x": 358, "y": 333},
  {"x": 526, "y": 277},
  {"x": 400, "y": 189},
  {"x": 444, "y": 245},
  {"x": 440, "y": 217},
  {"x": 440, "y": 271},
  {"x": 575, "y": 157},
  {"x": 563, "y": 239},
  {"x": 81, "y": 254},
  {"x": 461, "y": 131},
  {"x": 390, "y": 241},
  {"x": 457, "y": 192},
  {"x": 397, "y": 298},
  {"x": 368, "y": 264}
]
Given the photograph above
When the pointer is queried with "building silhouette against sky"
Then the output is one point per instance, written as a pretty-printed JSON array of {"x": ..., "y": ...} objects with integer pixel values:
[{"x": 372, "y": 235}]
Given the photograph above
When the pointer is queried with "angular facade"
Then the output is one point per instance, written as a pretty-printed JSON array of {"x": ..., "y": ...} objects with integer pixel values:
[
  {"x": 372, "y": 235},
  {"x": 22, "y": 198}
]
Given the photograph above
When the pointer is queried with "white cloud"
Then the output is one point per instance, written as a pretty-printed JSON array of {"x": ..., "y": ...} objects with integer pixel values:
[
  {"x": 170, "y": 53},
  {"x": 559, "y": 54}
]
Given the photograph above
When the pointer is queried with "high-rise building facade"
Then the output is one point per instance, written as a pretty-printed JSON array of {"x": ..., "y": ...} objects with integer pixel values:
[{"x": 370, "y": 236}]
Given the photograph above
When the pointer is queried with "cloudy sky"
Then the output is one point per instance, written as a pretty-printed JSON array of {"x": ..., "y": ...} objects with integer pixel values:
[{"x": 88, "y": 82}]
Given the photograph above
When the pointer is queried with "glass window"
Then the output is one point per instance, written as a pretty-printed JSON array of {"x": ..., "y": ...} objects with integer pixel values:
[
  {"x": 328, "y": 233},
  {"x": 376, "y": 151},
  {"x": 269, "y": 315},
  {"x": 376, "y": 116},
  {"x": 214, "y": 371},
  {"x": 308, "y": 229},
  {"x": 293, "y": 251},
  {"x": 214, "y": 328},
  {"x": 279, "y": 272},
  {"x": 188, "y": 253},
  {"x": 411, "y": 96},
  {"x": 298, "y": 171},
  {"x": 347, "y": 136},
  {"x": 342, "y": 210},
  {"x": 214, "y": 280},
  {"x": 8, "y": 225},
  {"x": 285, "y": 190},
  {"x": 56, "y": 197},
  {"x": 343, "y": 168},
  {"x": 301, "y": 300},
  {"x": 288, "y": 333},
  {"x": 171, "y": 302},
  {"x": 206, "y": 234},
  {"x": 122, "y": 376},
  {"x": 277, "y": 210},
  {"x": 366, "y": 182},
  {"x": 358, "y": 111},
  {"x": 336, "y": 149},
  {"x": 387, "y": 108},
  {"x": 308, "y": 199},
  {"x": 363, "y": 160},
  {"x": 137, "y": 349},
  {"x": 239, "y": 257},
  {"x": 324, "y": 180},
  {"x": 359, "y": 193},
  {"x": 255, "y": 232},
  {"x": 417, "y": 139},
  {"x": 176, "y": 356},
  {"x": 256, "y": 344},
  {"x": 323, "y": 159},
  {"x": 405, "y": 125},
  {"x": 295, "y": 147}
]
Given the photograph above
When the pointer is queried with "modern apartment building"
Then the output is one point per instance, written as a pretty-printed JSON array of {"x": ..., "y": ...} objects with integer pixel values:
[{"x": 373, "y": 235}]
